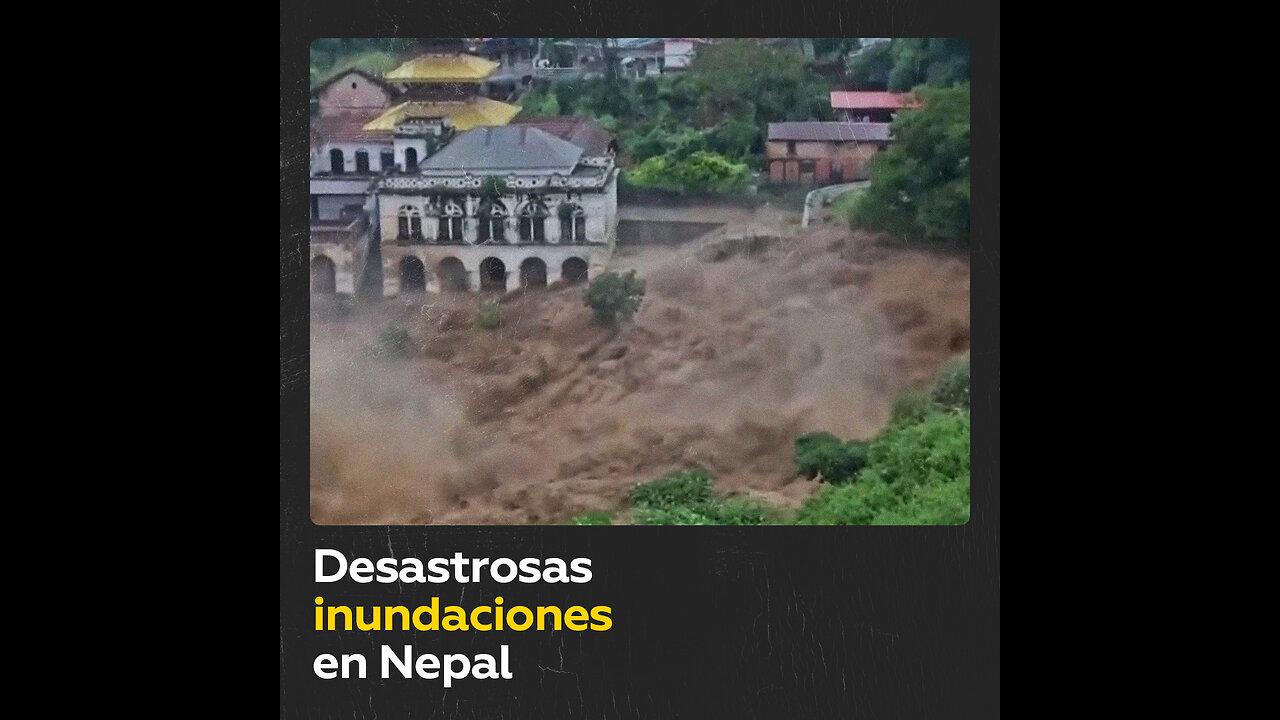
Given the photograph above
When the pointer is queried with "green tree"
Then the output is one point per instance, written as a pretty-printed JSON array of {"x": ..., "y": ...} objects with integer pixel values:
[
  {"x": 920, "y": 185},
  {"x": 612, "y": 296},
  {"x": 903, "y": 63},
  {"x": 739, "y": 77}
]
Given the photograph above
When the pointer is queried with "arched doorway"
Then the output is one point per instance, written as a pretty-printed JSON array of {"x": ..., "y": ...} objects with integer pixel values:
[
  {"x": 493, "y": 275},
  {"x": 337, "y": 165},
  {"x": 452, "y": 274},
  {"x": 323, "y": 276},
  {"x": 413, "y": 276},
  {"x": 574, "y": 270},
  {"x": 411, "y": 160},
  {"x": 533, "y": 273}
]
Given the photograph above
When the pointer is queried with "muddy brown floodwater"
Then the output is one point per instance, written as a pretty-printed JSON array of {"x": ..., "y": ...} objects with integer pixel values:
[{"x": 551, "y": 415}]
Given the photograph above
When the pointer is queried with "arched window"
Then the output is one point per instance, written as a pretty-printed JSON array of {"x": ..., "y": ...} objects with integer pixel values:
[
  {"x": 337, "y": 164},
  {"x": 410, "y": 220},
  {"x": 573, "y": 224},
  {"x": 450, "y": 223},
  {"x": 533, "y": 218},
  {"x": 388, "y": 160},
  {"x": 411, "y": 159},
  {"x": 362, "y": 161},
  {"x": 493, "y": 222}
]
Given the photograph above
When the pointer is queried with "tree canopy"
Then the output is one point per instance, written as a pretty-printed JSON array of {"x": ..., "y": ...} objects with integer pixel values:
[
  {"x": 920, "y": 184},
  {"x": 903, "y": 63}
]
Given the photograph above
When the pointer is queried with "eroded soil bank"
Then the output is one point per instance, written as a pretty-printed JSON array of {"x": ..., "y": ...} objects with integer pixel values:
[{"x": 735, "y": 351}]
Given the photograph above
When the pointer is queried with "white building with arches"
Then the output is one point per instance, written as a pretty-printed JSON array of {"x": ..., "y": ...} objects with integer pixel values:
[{"x": 496, "y": 209}]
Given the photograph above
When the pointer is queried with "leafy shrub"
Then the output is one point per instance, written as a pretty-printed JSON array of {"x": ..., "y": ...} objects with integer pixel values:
[
  {"x": 393, "y": 341},
  {"x": 917, "y": 474},
  {"x": 683, "y": 487},
  {"x": 823, "y": 454},
  {"x": 912, "y": 406},
  {"x": 612, "y": 296},
  {"x": 489, "y": 316},
  {"x": 951, "y": 389},
  {"x": 699, "y": 171},
  {"x": 685, "y": 497}
]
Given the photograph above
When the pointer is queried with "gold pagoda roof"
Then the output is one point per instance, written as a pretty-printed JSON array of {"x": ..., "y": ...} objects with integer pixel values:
[
  {"x": 443, "y": 68},
  {"x": 465, "y": 114}
]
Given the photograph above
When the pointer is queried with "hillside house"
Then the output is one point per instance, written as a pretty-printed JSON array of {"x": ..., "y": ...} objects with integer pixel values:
[
  {"x": 822, "y": 153},
  {"x": 870, "y": 106},
  {"x": 353, "y": 91}
]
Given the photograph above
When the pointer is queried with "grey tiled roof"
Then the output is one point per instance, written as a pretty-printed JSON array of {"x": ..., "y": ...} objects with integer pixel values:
[
  {"x": 586, "y": 134},
  {"x": 509, "y": 148},
  {"x": 815, "y": 131}
]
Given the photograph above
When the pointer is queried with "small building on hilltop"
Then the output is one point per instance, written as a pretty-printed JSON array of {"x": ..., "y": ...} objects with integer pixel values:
[
  {"x": 822, "y": 153},
  {"x": 498, "y": 208},
  {"x": 870, "y": 106},
  {"x": 351, "y": 91}
]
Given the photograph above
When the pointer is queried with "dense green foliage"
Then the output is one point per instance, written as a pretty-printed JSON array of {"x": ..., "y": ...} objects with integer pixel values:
[
  {"x": 917, "y": 474},
  {"x": 821, "y": 454},
  {"x": 613, "y": 296},
  {"x": 718, "y": 110},
  {"x": 330, "y": 56},
  {"x": 920, "y": 183},
  {"x": 951, "y": 388},
  {"x": 904, "y": 63},
  {"x": 685, "y": 497},
  {"x": 699, "y": 172}
]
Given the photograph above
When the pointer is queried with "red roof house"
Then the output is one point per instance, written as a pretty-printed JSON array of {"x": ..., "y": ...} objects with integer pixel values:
[{"x": 870, "y": 106}]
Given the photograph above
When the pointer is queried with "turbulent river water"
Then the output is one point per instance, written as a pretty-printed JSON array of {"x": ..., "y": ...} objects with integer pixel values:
[{"x": 552, "y": 415}]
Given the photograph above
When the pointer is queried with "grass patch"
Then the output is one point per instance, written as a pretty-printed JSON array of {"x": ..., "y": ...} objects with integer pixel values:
[
  {"x": 842, "y": 205},
  {"x": 593, "y": 518}
]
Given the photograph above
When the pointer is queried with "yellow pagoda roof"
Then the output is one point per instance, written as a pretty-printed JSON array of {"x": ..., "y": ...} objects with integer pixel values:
[
  {"x": 465, "y": 114},
  {"x": 443, "y": 68}
]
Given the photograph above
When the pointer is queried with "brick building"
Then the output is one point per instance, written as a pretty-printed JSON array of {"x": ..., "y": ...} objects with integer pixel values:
[{"x": 822, "y": 153}]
